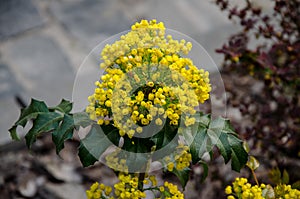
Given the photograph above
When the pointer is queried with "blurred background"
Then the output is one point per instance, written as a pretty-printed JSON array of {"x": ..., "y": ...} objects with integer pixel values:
[{"x": 44, "y": 42}]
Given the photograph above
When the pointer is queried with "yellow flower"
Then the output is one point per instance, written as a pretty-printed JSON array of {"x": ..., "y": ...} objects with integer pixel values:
[
  {"x": 139, "y": 67},
  {"x": 228, "y": 190},
  {"x": 158, "y": 122}
]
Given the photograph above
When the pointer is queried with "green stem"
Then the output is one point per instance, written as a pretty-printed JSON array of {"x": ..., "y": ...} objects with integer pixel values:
[
  {"x": 141, "y": 181},
  {"x": 254, "y": 176},
  {"x": 151, "y": 189}
]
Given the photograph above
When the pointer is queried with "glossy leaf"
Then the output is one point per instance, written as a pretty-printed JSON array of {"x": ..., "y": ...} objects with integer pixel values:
[
  {"x": 220, "y": 133},
  {"x": 82, "y": 119},
  {"x": 224, "y": 147},
  {"x": 182, "y": 175},
  {"x": 44, "y": 122},
  {"x": 65, "y": 106},
  {"x": 239, "y": 156},
  {"x": 36, "y": 107},
  {"x": 200, "y": 145},
  {"x": 94, "y": 144},
  {"x": 63, "y": 132}
]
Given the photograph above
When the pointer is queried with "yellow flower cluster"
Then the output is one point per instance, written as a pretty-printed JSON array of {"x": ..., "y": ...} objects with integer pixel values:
[
  {"x": 241, "y": 189},
  {"x": 286, "y": 192},
  {"x": 127, "y": 187},
  {"x": 147, "y": 79},
  {"x": 114, "y": 161},
  {"x": 244, "y": 190},
  {"x": 170, "y": 191},
  {"x": 98, "y": 191},
  {"x": 180, "y": 159}
]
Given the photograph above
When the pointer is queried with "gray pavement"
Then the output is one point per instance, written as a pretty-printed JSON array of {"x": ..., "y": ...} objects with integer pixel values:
[{"x": 43, "y": 43}]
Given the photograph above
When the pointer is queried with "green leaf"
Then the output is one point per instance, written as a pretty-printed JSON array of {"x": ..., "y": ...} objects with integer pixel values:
[
  {"x": 200, "y": 145},
  {"x": 82, "y": 119},
  {"x": 139, "y": 152},
  {"x": 112, "y": 133},
  {"x": 94, "y": 144},
  {"x": 252, "y": 163},
  {"x": 224, "y": 147},
  {"x": 63, "y": 132},
  {"x": 296, "y": 185},
  {"x": 220, "y": 133},
  {"x": 285, "y": 177},
  {"x": 65, "y": 106},
  {"x": 203, "y": 119},
  {"x": 166, "y": 135},
  {"x": 205, "y": 170},
  {"x": 85, "y": 156},
  {"x": 275, "y": 175},
  {"x": 246, "y": 146},
  {"x": 182, "y": 175},
  {"x": 44, "y": 122},
  {"x": 238, "y": 154},
  {"x": 36, "y": 107}
]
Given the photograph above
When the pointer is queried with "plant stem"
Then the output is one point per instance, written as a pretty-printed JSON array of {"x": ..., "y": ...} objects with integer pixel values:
[
  {"x": 141, "y": 181},
  {"x": 254, "y": 176}
]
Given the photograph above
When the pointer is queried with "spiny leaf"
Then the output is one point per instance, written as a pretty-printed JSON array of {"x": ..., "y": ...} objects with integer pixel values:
[
  {"x": 200, "y": 145},
  {"x": 220, "y": 133},
  {"x": 63, "y": 132},
  {"x": 239, "y": 156},
  {"x": 44, "y": 122},
  {"x": 224, "y": 147},
  {"x": 183, "y": 176},
  {"x": 82, "y": 119},
  {"x": 36, "y": 107},
  {"x": 65, "y": 106},
  {"x": 94, "y": 144}
]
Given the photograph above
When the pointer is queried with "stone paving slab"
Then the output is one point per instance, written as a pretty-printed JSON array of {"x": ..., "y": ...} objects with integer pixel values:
[
  {"x": 91, "y": 21},
  {"x": 8, "y": 85},
  {"x": 9, "y": 113},
  {"x": 17, "y": 16},
  {"x": 36, "y": 67},
  {"x": 41, "y": 67}
]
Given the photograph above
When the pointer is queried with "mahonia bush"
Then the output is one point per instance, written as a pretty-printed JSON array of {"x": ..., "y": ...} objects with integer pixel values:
[
  {"x": 147, "y": 78},
  {"x": 143, "y": 110}
]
